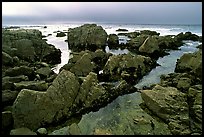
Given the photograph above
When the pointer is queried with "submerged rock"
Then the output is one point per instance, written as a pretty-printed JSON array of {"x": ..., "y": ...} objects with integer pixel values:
[
  {"x": 87, "y": 36},
  {"x": 60, "y": 34}
]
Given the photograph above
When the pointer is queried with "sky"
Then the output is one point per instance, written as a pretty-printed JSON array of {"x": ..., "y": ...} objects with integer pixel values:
[{"x": 104, "y": 12}]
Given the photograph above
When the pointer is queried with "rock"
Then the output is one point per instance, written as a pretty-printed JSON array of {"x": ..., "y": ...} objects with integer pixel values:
[
  {"x": 101, "y": 132},
  {"x": 8, "y": 97},
  {"x": 113, "y": 41},
  {"x": 61, "y": 131},
  {"x": 45, "y": 27},
  {"x": 60, "y": 34},
  {"x": 184, "y": 84},
  {"x": 169, "y": 104},
  {"x": 199, "y": 46},
  {"x": 7, "y": 121},
  {"x": 149, "y": 32},
  {"x": 169, "y": 42},
  {"x": 130, "y": 67},
  {"x": 195, "y": 104},
  {"x": 87, "y": 36},
  {"x": 74, "y": 129},
  {"x": 15, "y": 79},
  {"x": 190, "y": 62},
  {"x": 121, "y": 29},
  {"x": 187, "y": 36},
  {"x": 44, "y": 72},
  {"x": 16, "y": 61},
  {"x": 150, "y": 45},
  {"x": 8, "y": 86},
  {"x": 22, "y": 131},
  {"x": 46, "y": 107},
  {"x": 6, "y": 59},
  {"x": 22, "y": 70},
  {"x": 34, "y": 85},
  {"x": 25, "y": 49},
  {"x": 42, "y": 131}
]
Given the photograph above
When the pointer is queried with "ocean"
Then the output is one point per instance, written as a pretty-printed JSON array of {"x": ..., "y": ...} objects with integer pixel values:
[{"x": 119, "y": 111}]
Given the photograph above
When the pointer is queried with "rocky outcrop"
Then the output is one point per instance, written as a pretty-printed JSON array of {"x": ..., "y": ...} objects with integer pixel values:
[
  {"x": 84, "y": 62},
  {"x": 28, "y": 45},
  {"x": 128, "y": 67},
  {"x": 169, "y": 104},
  {"x": 87, "y": 36},
  {"x": 187, "y": 36},
  {"x": 149, "y": 32}
]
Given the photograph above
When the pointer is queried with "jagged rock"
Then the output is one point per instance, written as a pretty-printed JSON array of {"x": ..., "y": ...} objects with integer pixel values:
[
  {"x": 113, "y": 41},
  {"x": 34, "y": 85},
  {"x": 187, "y": 36},
  {"x": 22, "y": 131},
  {"x": 35, "y": 109},
  {"x": 87, "y": 36},
  {"x": 169, "y": 104}
]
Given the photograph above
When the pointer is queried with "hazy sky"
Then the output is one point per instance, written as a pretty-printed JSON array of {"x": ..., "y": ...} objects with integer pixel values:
[{"x": 115, "y": 12}]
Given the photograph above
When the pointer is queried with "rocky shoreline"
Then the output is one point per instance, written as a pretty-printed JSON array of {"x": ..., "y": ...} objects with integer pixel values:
[{"x": 35, "y": 98}]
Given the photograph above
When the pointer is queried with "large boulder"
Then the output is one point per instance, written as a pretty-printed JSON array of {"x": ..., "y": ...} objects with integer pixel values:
[
  {"x": 129, "y": 67},
  {"x": 34, "y": 109},
  {"x": 169, "y": 104},
  {"x": 190, "y": 62},
  {"x": 8, "y": 97},
  {"x": 87, "y": 36},
  {"x": 6, "y": 59}
]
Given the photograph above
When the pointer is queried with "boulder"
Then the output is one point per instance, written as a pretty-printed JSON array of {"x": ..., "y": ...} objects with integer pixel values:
[
  {"x": 187, "y": 36},
  {"x": 129, "y": 67},
  {"x": 15, "y": 79},
  {"x": 34, "y": 109},
  {"x": 190, "y": 62},
  {"x": 113, "y": 41},
  {"x": 42, "y": 131},
  {"x": 22, "y": 131},
  {"x": 150, "y": 45},
  {"x": 87, "y": 36},
  {"x": 44, "y": 72},
  {"x": 34, "y": 85},
  {"x": 60, "y": 34},
  {"x": 121, "y": 29},
  {"x": 22, "y": 70},
  {"x": 149, "y": 32},
  {"x": 8, "y": 97},
  {"x": 6, "y": 59},
  {"x": 169, "y": 104},
  {"x": 74, "y": 129}
]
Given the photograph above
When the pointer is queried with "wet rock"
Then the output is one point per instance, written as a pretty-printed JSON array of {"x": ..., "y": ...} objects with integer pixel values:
[
  {"x": 87, "y": 36},
  {"x": 34, "y": 85},
  {"x": 113, "y": 41},
  {"x": 22, "y": 131},
  {"x": 169, "y": 104},
  {"x": 60, "y": 34},
  {"x": 42, "y": 131}
]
